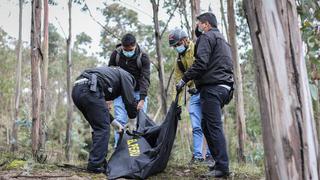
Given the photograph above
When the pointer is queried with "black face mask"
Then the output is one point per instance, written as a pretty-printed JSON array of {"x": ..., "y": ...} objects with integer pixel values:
[
  {"x": 197, "y": 32},
  {"x": 187, "y": 46}
]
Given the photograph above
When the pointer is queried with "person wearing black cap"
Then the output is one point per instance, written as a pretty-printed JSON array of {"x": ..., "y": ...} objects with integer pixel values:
[
  {"x": 90, "y": 92},
  {"x": 178, "y": 39},
  {"x": 212, "y": 73}
]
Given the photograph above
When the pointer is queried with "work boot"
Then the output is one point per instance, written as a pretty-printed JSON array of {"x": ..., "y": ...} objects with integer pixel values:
[
  {"x": 96, "y": 169},
  {"x": 93, "y": 168},
  {"x": 209, "y": 161},
  {"x": 196, "y": 160},
  {"x": 216, "y": 174}
]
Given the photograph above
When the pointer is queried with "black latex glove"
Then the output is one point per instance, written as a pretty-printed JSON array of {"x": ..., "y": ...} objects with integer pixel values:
[
  {"x": 193, "y": 91},
  {"x": 178, "y": 112},
  {"x": 180, "y": 85},
  {"x": 111, "y": 117}
]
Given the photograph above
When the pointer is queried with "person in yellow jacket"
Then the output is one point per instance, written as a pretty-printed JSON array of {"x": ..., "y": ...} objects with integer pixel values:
[{"x": 178, "y": 39}]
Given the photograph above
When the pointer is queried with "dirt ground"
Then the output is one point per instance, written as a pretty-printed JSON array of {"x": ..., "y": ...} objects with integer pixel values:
[
  {"x": 57, "y": 172},
  {"x": 12, "y": 167}
]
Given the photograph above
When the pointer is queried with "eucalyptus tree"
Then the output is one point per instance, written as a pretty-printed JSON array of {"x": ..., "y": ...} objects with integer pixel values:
[
  {"x": 289, "y": 135},
  {"x": 14, "y": 140},
  {"x": 36, "y": 58}
]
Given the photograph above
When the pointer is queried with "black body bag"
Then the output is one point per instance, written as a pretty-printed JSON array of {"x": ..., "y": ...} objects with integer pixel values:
[{"x": 146, "y": 151}]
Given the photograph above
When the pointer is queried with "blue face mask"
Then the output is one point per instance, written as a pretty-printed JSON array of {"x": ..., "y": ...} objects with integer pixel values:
[
  {"x": 181, "y": 48},
  {"x": 128, "y": 53}
]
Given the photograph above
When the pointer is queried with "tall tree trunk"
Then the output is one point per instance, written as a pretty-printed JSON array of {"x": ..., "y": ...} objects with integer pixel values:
[
  {"x": 239, "y": 104},
  {"x": 14, "y": 145},
  {"x": 317, "y": 111},
  {"x": 226, "y": 124},
  {"x": 69, "y": 101},
  {"x": 315, "y": 77},
  {"x": 44, "y": 77},
  {"x": 195, "y": 11},
  {"x": 224, "y": 21},
  {"x": 289, "y": 135},
  {"x": 183, "y": 10},
  {"x": 36, "y": 57},
  {"x": 155, "y": 8}
]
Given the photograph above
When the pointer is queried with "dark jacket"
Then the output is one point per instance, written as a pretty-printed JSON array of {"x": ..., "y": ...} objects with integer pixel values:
[
  {"x": 213, "y": 61},
  {"x": 115, "y": 82},
  {"x": 142, "y": 75}
]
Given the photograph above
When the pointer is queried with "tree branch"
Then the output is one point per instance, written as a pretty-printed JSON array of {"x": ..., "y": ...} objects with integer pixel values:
[
  {"x": 64, "y": 34},
  {"x": 41, "y": 177},
  {"x": 171, "y": 16},
  {"x": 170, "y": 77},
  {"x": 94, "y": 19},
  {"x": 184, "y": 12},
  {"x": 155, "y": 64}
]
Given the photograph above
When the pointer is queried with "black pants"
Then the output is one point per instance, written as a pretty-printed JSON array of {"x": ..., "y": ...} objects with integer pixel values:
[
  {"x": 93, "y": 107},
  {"x": 212, "y": 101}
]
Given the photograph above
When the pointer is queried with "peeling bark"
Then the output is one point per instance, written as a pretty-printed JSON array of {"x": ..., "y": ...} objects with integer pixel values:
[
  {"x": 36, "y": 57},
  {"x": 44, "y": 77},
  {"x": 289, "y": 135}
]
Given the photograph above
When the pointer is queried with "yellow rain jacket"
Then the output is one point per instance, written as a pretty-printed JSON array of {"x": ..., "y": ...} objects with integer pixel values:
[{"x": 187, "y": 60}]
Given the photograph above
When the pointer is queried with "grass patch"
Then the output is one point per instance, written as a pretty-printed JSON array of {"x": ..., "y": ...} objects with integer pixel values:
[
  {"x": 246, "y": 171},
  {"x": 15, "y": 164}
]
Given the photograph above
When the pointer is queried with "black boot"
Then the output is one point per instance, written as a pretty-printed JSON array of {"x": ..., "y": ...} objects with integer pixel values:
[
  {"x": 101, "y": 168},
  {"x": 216, "y": 174}
]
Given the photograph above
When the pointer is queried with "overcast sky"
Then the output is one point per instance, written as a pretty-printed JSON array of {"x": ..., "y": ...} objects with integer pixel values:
[{"x": 82, "y": 22}]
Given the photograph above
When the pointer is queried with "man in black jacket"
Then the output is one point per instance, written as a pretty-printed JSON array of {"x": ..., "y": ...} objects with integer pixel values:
[
  {"x": 91, "y": 91},
  {"x": 130, "y": 57},
  {"x": 212, "y": 72}
]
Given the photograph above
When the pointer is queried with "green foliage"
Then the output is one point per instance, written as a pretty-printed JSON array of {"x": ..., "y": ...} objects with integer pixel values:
[
  {"x": 314, "y": 92},
  {"x": 82, "y": 41},
  {"x": 309, "y": 11},
  {"x": 118, "y": 21},
  {"x": 243, "y": 34},
  {"x": 56, "y": 43},
  {"x": 7, "y": 69},
  {"x": 247, "y": 171},
  {"x": 15, "y": 164}
]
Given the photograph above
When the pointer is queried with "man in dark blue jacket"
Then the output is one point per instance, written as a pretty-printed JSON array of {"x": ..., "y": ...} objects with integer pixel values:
[
  {"x": 212, "y": 72},
  {"x": 91, "y": 91}
]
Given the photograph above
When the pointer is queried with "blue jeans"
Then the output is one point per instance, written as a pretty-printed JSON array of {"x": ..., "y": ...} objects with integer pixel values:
[
  {"x": 195, "y": 117},
  {"x": 120, "y": 112}
]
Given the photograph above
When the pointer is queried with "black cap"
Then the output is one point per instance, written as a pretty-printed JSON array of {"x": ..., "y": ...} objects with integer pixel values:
[{"x": 208, "y": 17}]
